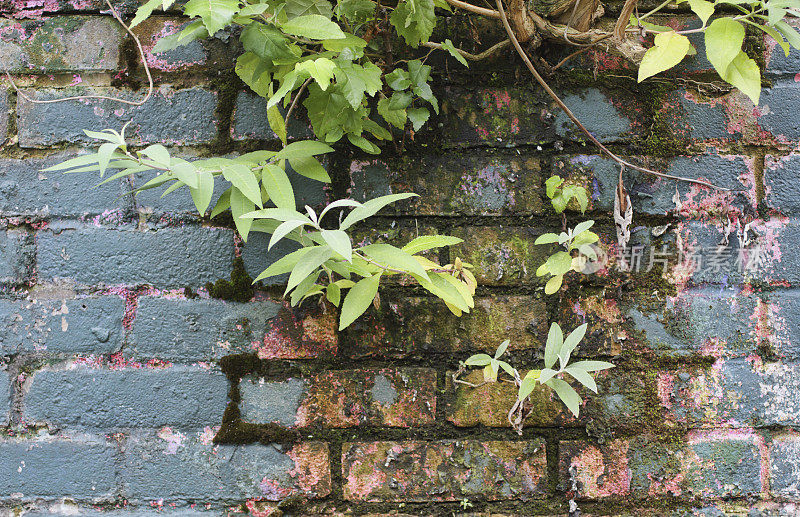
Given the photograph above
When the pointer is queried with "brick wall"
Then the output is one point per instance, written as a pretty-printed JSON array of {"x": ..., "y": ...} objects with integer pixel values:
[{"x": 126, "y": 389}]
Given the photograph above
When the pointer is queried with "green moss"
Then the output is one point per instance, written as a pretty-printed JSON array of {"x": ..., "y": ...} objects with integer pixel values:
[
  {"x": 238, "y": 289},
  {"x": 661, "y": 138}
]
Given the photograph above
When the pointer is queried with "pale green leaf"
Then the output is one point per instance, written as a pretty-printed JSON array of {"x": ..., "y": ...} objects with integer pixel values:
[
  {"x": 453, "y": 51},
  {"x": 303, "y": 149},
  {"x": 744, "y": 74},
  {"x": 395, "y": 258},
  {"x": 284, "y": 264},
  {"x": 278, "y": 186},
  {"x": 310, "y": 167},
  {"x": 567, "y": 394},
  {"x": 144, "y": 12},
  {"x": 244, "y": 180},
  {"x": 320, "y": 69},
  {"x": 313, "y": 26},
  {"x": 371, "y": 208},
  {"x": 418, "y": 117},
  {"x": 555, "y": 338},
  {"x": 553, "y": 284},
  {"x": 216, "y": 14},
  {"x": 240, "y": 205},
  {"x": 203, "y": 193},
  {"x": 358, "y": 300},
  {"x": 724, "y": 38},
  {"x": 669, "y": 49},
  {"x": 702, "y": 9},
  {"x": 426, "y": 242},
  {"x": 185, "y": 172},
  {"x": 592, "y": 366},
  {"x": 307, "y": 265},
  {"x": 339, "y": 242},
  {"x": 583, "y": 377}
]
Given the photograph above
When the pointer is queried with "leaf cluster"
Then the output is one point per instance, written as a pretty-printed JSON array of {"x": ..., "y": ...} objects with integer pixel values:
[{"x": 579, "y": 245}]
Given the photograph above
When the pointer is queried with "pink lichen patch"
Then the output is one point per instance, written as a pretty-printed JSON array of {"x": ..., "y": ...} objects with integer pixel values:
[
  {"x": 31, "y": 8},
  {"x": 156, "y": 29},
  {"x": 258, "y": 508},
  {"x": 311, "y": 472},
  {"x": 600, "y": 473},
  {"x": 300, "y": 334},
  {"x": 174, "y": 439}
]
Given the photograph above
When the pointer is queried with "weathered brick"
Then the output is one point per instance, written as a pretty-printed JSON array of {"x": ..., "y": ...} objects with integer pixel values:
[
  {"x": 169, "y": 257},
  {"x": 782, "y": 179},
  {"x": 17, "y": 252},
  {"x": 174, "y": 466},
  {"x": 201, "y": 330},
  {"x": 82, "y": 468},
  {"x": 605, "y": 333},
  {"x": 707, "y": 321},
  {"x": 708, "y": 259},
  {"x": 777, "y": 61},
  {"x": 701, "y": 119},
  {"x": 734, "y": 392},
  {"x": 454, "y": 183},
  {"x": 598, "y": 113},
  {"x": 170, "y": 116},
  {"x": 490, "y": 403},
  {"x": 417, "y": 325},
  {"x": 501, "y": 255},
  {"x": 80, "y": 397},
  {"x": 5, "y": 114},
  {"x": 89, "y": 325},
  {"x": 250, "y": 120},
  {"x": 183, "y": 57},
  {"x": 724, "y": 464},
  {"x": 598, "y": 471},
  {"x": 129, "y": 511},
  {"x": 444, "y": 470},
  {"x": 784, "y": 455},
  {"x": 25, "y": 189},
  {"x": 779, "y": 106},
  {"x": 343, "y": 398},
  {"x": 651, "y": 195},
  {"x": 34, "y": 8},
  {"x": 60, "y": 44}
]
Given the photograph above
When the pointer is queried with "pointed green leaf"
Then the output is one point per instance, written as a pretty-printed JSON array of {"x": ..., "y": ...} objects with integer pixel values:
[
  {"x": 245, "y": 181},
  {"x": 724, "y": 38},
  {"x": 669, "y": 49},
  {"x": 555, "y": 338},
  {"x": 358, "y": 300},
  {"x": 567, "y": 394},
  {"x": 204, "y": 192},
  {"x": 313, "y": 26},
  {"x": 240, "y": 205},
  {"x": 278, "y": 186}
]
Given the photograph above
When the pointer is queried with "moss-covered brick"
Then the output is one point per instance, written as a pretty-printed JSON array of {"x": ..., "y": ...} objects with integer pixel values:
[
  {"x": 413, "y": 326},
  {"x": 444, "y": 470},
  {"x": 489, "y": 404},
  {"x": 172, "y": 117},
  {"x": 404, "y": 397},
  {"x": 724, "y": 463},
  {"x": 454, "y": 183},
  {"x": 173, "y": 466},
  {"x": 502, "y": 255},
  {"x": 60, "y": 44}
]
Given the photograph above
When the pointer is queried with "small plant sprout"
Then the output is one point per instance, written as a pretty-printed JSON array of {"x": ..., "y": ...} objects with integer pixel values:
[
  {"x": 560, "y": 194},
  {"x": 492, "y": 365},
  {"x": 557, "y": 350},
  {"x": 578, "y": 239}
]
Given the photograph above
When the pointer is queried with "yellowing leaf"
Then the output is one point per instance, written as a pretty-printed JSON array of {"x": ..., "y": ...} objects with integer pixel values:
[
  {"x": 724, "y": 38},
  {"x": 744, "y": 74},
  {"x": 669, "y": 49}
]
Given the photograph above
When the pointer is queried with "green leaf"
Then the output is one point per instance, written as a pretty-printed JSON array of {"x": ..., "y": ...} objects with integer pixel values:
[
  {"x": 79, "y": 161},
  {"x": 256, "y": 73},
  {"x": 104, "y": 155},
  {"x": 583, "y": 377},
  {"x": 702, "y": 9},
  {"x": 789, "y": 33},
  {"x": 501, "y": 349},
  {"x": 582, "y": 227},
  {"x": 339, "y": 241},
  {"x": 158, "y": 153},
  {"x": 414, "y": 20},
  {"x": 354, "y": 43},
  {"x": 307, "y": 265},
  {"x": 418, "y": 117},
  {"x": 568, "y": 396},
  {"x": 268, "y": 43},
  {"x": 334, "y": 294},
  {"x": 444, "y": 290},
  {"x": 551, "y": 184},
  {"x": 546, "y": 374},
  {"x": 277, "y": 123},
  {"x": 356, "y": 11},
  {"x": 526, "y": 386},
  {"x": 223, "y": 203},
  {"x": 371, "y": 208},
  {"x": 215, "y": 14},
  {"x": 284, "y": 264},
  {"x": 313, "y": 26},
  {"x": 244, "y": 180},
  {"x": 453, "y": 51},
  {"x": 547, "y": 238},
  {"x": 144, "y": 12},
  {"x": 478, "y": 360},
  {"x": 358, "y": 300},
  {"x": 724, "y": 38},
  {"x": 283, "y": 230},
  {"x": 396, "y": 117},
  {"x": 395, "y": 258},
  {"x": 559, "y": 263},
  {"x": 303, "y": 149},
  {"x": 356, "y": 80},
  {"x": 553, "y": 284},
  {"x": 310, "y": 168},
  {"x": 775, "y": 35},
  {"x": 570, "y": 343},
  {"x": 203, "y": 193},
  {"x": 669, "y": 49},
  {"x": 555, "y": 338},
  {"x": 295, "y": 8},
  {"x": 193, "y": 31},
  {"x": 398, "y": 79},
  {"x": 241, "y": 205},
  {"x": 426, "y": 242},
  {"x": 744, "y": 74},
  {"x": 185, "y": 172},
  {"x": 592, "y": 366},
  {"x": 321, "y": 69},
  {"x": 363, "y": 143},
  {"x": 278, "y": 186},
  {"x": 331, "y": 114}
]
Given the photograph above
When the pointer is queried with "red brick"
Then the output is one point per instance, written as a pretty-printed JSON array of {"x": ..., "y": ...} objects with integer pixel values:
[{"x": 444, "y": 470}]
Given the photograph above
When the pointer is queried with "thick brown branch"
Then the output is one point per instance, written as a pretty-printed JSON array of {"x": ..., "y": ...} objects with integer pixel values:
[{"x": 491, "y": 13}]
